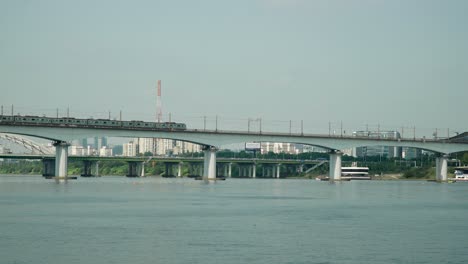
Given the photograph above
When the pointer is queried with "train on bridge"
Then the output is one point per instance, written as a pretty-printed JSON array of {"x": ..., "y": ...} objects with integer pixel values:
[{"x": 89, "y": 123}]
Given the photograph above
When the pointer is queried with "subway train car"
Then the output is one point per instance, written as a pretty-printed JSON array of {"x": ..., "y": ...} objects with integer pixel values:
[{"x": 89, "y": 123}]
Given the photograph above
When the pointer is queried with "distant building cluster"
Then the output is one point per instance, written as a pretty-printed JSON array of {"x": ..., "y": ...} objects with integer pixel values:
[
  {"x": 158, "y": 146},
  {"x": 289, "y": 148},
  {"x": 359, "y": 152},
  {"x": 138, "y": 146},
  {"x": 383, "y": 151},
  {"x": 98, "y": 148}
]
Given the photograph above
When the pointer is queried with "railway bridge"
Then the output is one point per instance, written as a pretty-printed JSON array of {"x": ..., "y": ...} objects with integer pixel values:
[{"x": 212, "y": 140}]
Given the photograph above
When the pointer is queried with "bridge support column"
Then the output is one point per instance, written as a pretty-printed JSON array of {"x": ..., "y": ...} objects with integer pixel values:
[
  {"x": 87, "y": 168},
  {"x": 441, "y": 168},
  {"x": 166, "y": 169},
  {"x": 61, "y": 159},
  {"x": 209, "y": 166},
  {"x": 179, "y": 169},
  {"x": 96, "y": 173},
  {"x": 278, "y": 170},
  {"x": 141, "y": 169},
  {"x": 230, "y": 170},
  {"x": 49, "y": 167},
  {"x": 254, "y": 171},
  {"x": 136, "y": 169},
  {"x": 335, "y": 166}
]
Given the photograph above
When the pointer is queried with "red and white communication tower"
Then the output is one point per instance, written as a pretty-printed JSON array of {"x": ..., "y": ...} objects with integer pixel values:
[{"x": 158, "y": 104}]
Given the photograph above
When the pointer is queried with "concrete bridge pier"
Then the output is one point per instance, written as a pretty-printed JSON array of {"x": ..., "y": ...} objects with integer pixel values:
[
  {"x": 278, "y": 169},
  {"x": 179, "y": 169},
  {"x": 96, "y": 171},
  {"x": 269, "y": 171},
  {"x": 141, "y": 168},
  {"x": 254, "y": 170},
  {"x": 195, "y": 170},
  {"x": 136, "y": 169},
  {"x": 441, "y": 168},
  {"x": 61, "y": 159},
  {"x": 230, "y": 170},
  {"x": 48, "y": 167},
  {"x": 87, "y": 168},
  {"x": 209, "y": 165},
  {"x": 335, "y": 165}
]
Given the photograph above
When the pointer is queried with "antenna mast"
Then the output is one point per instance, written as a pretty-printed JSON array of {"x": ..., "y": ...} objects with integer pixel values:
[{"x": 158, "y": 104}]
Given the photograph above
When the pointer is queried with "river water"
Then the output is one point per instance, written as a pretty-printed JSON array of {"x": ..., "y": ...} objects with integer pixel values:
[{"x": 157, "y": 220}]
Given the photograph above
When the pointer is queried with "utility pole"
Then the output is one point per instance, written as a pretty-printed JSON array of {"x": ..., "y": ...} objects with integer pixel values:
[
  {"x": 302, "y": 127},
  {"x": 378, "y": 130},
  {"x": 204, "y": 123},
  {"x": 341, "y": 128},
  {"x": 290, "y": 124},
  {"x": 260, "y": 125},
  {"x": 216, "y": 126}
]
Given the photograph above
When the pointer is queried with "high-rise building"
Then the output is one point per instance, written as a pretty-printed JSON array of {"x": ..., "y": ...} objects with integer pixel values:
[
  {"x": 411, "y": 153},
  {"x": 77, "y": 151},
  {"x": 158, "y": 146},
  {"x": 146, "y": 145},
  {"x": 290, "y": 148},
  {"x": 105, "y": 152},
  {"x": 84, "y": 142},
  {"x": 130, "y": 149},
  {"x": 99, "y": 142}
]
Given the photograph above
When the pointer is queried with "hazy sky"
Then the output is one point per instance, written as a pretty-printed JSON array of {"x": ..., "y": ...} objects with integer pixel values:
[{"x": 389, "y": 62}]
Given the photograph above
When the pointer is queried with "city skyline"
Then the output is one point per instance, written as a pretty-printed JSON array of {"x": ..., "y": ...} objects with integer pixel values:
[{"x": 399, "y": 63}]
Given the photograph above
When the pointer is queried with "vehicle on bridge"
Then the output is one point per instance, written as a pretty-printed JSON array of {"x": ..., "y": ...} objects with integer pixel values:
[{"x": 89, "y": 123}]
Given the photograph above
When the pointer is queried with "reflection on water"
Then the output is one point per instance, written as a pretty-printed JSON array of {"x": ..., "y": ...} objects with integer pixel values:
[{"x": 170, "y": 220}]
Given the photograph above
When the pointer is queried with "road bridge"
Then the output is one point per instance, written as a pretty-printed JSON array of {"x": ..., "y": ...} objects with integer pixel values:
[
  {"x": 212, "y": 140},
  {"x": 246, "y": 166}
]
